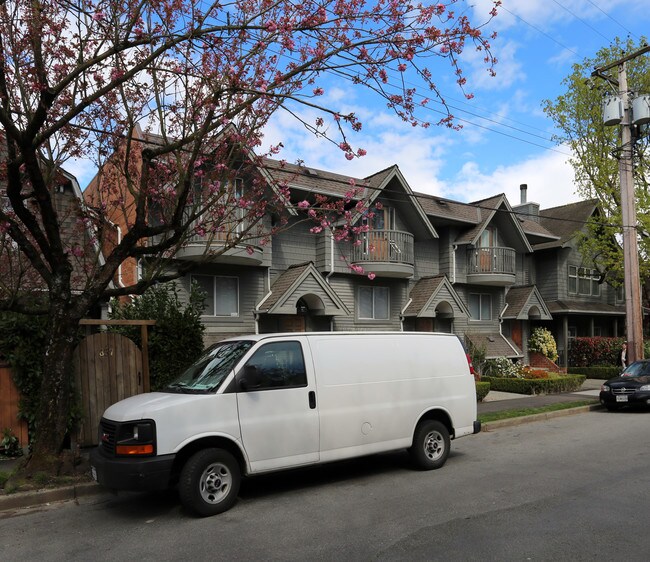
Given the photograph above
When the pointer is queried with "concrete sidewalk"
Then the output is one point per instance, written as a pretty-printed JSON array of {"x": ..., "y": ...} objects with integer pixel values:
[
  {"x": 500, "y": 401},
  {"x": 11, "y": 504}
]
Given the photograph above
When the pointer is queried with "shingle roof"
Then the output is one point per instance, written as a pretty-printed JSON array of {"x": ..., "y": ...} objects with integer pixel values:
[
  {"x": 574, "y": 306},
  {"x": 495, "y": 344},
  {"x": 521, "y": 299},
  {"x": 312, "y": 179},
  {"x": 566, "y": 221},
  {"x": 448, "y": 209}
]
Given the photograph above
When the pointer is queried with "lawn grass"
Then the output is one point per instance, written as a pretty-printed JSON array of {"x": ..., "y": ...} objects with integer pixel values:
[{"x": 519, "y": 412}]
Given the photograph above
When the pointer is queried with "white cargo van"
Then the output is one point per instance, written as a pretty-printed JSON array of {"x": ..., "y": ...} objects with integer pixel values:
[{"x": 259, "y": 403}]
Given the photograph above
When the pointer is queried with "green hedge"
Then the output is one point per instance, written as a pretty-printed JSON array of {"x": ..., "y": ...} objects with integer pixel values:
[
  {"x": 482, "y": 389},
  {"x": 602, "y": 373},
  {"x": 566, "y": 383}
]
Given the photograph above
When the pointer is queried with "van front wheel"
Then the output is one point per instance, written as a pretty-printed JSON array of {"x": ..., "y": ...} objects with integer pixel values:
[
  {"x": 431, "y": 445},
  {"x": 209, "y": 482}
]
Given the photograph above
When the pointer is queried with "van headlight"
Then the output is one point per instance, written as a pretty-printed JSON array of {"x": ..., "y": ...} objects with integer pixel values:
[
  {"x": 645, "y": 387},
  {"x": 136, "y": 438},
  {"x": 604, "y": 388}
]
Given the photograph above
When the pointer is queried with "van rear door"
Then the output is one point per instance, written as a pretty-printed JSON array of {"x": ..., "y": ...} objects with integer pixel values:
[{"x": 278, "y": 417}]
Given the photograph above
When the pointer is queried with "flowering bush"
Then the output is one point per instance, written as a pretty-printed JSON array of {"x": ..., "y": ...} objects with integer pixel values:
[
  {"x": 542, "y": 341},
  {"x": 501, "y": 367},
  {"x": 599, "y": 351}
]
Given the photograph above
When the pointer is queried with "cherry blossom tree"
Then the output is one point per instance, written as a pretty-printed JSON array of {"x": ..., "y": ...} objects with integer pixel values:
[{"x": 163, "y": 96}]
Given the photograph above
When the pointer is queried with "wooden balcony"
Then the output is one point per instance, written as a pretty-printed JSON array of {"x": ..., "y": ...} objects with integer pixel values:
[
  {"x": 386, "y": 253},
  {"x": 491, "y": 266}
]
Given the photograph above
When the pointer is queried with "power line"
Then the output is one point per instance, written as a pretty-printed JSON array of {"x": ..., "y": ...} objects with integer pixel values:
[{"x": 614, "y": 20}]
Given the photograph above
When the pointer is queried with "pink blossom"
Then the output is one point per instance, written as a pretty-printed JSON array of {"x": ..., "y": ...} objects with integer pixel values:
[
  {"x": 303, "y": 205},
  {"x": 371, "y": 276}
]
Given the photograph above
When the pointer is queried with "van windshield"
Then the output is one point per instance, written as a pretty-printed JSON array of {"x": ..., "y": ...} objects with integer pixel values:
[{"x": 208, "y": 372}]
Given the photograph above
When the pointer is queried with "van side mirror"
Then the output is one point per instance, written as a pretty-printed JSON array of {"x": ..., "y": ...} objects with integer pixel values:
[{"x": 250, "y": 378}]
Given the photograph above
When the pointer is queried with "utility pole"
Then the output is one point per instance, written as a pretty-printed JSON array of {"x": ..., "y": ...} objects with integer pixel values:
[{"x": 632, "y": 283}]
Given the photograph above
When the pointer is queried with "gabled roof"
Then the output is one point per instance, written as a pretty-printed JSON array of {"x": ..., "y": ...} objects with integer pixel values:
[
  {"x": 520, "y": 301},
  {"x": 428, "y": 292},
  {"x": 566, "y": 221},
  {"x": 302, "y": 281},
  {"x": 488, "y": 209},
  {"x": 312, "y": 180},
  {"x": 495, "y": 345}
]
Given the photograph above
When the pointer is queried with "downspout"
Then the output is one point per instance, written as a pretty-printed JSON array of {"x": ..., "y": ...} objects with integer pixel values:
[
  {"x": 331, "y": 258},
  {"x": 256, "y": 313},
  {"x": 401, "y": 315},
  {"x": 119, "y": 267},
  {"x": 331, "y": 270},
  {"x": 454, "y": 247}
]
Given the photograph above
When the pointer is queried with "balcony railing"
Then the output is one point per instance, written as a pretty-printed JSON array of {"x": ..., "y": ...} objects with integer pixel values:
[
  {"x": 494, "y": 260},
  {"x": 388, "y": 246}
]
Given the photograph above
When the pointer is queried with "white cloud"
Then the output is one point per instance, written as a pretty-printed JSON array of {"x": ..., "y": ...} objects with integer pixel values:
[{"x": 549, "y": 178}]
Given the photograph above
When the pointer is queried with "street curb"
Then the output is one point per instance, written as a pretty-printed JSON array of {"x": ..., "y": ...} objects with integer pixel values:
[
  {"x": 19, "y": 500},
  {"x": 510, "y": 422}
]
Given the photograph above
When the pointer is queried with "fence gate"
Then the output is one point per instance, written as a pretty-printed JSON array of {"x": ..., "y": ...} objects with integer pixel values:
[{"x": 108, "y": 368}]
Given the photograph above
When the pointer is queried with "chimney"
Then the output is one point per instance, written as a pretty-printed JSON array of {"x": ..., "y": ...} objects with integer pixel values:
[
  {"x": 523, "y": 189},
  {"x": 528, "y": 211}
]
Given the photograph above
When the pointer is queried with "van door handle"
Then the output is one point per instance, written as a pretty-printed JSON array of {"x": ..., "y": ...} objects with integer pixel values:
[{"x": 312, "y": 399}]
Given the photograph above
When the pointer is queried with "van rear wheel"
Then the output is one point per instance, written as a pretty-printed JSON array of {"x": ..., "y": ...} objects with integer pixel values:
[
  {"x": 431, "y": 445},
  {"x": 209, "y": 482}
]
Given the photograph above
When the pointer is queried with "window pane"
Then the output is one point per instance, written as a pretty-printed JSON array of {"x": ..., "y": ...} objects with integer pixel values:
[
  {"x": 573, "y": 285},
  {"x": 381, "y": 303},
  {"x": 365, "y": 302},
  {"x": 584, "y": 285},
  {"x": 206, "y": 284},
  {"x": 276, "y": 365},
  {"x": 486, "y": 307},
  {"x": 475, "y": 306},
  {"x": 227, "y": 299},
  {"x": 595, "y": 287}
]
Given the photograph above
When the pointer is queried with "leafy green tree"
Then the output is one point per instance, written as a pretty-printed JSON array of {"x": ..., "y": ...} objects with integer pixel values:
[
  {"x": 577, "y": 115},
  {"x": 176, "y": 340}
]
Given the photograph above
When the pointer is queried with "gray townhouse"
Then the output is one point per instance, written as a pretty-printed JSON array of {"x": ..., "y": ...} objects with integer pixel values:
[{"x": 487, "y": 271}]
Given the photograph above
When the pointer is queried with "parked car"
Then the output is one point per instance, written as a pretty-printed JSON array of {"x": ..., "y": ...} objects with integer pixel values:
[{"x": 631, "y": 388}]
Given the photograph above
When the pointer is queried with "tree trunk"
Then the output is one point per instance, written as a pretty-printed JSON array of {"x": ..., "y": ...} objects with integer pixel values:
[{"x": 56, "y": 394}]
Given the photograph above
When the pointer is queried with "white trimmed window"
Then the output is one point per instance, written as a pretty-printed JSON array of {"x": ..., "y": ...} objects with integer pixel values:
[
  {"x": 221, "y": 294},
  {"x": 583, "y": 281},
  {"x": 374, "y": 303},
  {"x": 480, "y": 306}
]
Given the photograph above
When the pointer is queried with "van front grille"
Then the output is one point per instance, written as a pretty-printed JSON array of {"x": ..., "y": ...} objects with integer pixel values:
[{"x": 107, "y": 431}]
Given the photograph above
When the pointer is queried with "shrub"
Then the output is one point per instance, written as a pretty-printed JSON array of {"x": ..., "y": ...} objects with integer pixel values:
[
  {"x": 501, "y": 367},
  {"x": 176, "y": 340},
  {"x": 22, "y": 337},
  {"x": 9, "y": 445},
  {"x": 564, "y": 383},
  {"x": 476, "y": 355},
  {"x": 588, "y": 352},
  {"x": 602, "y": 373},
  {"x": 542, "y": 341},
  {"x": 482, "y": 389}
]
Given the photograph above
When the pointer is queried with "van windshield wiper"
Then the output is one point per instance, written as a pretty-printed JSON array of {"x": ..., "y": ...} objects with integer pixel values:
[{"x": 180, "y": 387}]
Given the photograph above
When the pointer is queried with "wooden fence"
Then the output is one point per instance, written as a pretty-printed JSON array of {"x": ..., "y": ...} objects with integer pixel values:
[{"x": 9, "y": 398}]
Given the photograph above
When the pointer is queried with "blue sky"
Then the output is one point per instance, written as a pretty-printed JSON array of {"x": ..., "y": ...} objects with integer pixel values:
[{"x": 506, "y": 138}]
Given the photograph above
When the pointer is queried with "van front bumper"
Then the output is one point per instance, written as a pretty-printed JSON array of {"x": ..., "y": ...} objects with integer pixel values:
[{"x": 129, "y": 473}]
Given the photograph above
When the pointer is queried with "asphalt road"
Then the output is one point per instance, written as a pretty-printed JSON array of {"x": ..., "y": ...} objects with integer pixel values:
[{"x": 573, "y": 488}]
